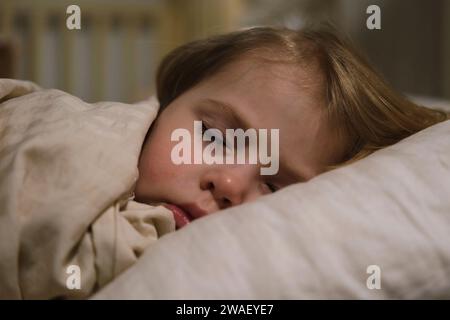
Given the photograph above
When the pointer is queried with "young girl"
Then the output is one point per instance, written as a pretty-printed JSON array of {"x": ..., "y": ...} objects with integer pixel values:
[
  {"x": 68, "y": 223},
  {"x": 330, "y": 106}
]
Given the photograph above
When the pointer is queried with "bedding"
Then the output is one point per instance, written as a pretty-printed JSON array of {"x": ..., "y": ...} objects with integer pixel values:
[
  {"x": 317, "y": 240},
  {"x": 67, "y": 171},
  {"x": 311, "y": 240}
]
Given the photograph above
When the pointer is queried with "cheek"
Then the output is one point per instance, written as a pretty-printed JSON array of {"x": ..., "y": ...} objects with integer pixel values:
[{"x": 156, "y": 165}]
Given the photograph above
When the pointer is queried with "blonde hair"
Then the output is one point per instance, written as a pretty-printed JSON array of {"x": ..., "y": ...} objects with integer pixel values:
[{"x": 370, "y": 115}]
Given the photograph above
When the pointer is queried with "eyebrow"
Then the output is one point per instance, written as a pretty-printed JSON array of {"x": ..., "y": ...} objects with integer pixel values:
[
  {"x": 230, "y": 114},
  {"x": 240, "y": 122}
]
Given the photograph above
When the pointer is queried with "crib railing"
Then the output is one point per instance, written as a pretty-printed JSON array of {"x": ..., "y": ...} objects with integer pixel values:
[{"x": 113, "y": 56}]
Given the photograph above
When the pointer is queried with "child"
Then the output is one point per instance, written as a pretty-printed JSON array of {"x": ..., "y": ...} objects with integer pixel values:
[
  {"x": 68, "y": 225},
  {"x": 329, "y": 105}
]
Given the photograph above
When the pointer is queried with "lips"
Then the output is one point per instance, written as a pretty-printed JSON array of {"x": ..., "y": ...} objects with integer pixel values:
[
  {"x": 194, "y": 210},
  {"x": 185, "y": 214},
  {"x": 181, "y": 216}
]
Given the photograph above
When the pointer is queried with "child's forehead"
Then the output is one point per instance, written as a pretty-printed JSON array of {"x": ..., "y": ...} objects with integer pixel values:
[
  {"x": 273, "y": 96},
  {"x": 263, "y": 72}
]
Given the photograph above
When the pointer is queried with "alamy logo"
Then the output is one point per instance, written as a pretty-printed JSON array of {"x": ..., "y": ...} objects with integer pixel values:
[
  {"x": 73, "y": 22},
  {"x": 73, "y": 281},
  {"x": 374, "y": 280},
  {"x": 374, "y": 20},
  {"x": 223, "y": 150}
]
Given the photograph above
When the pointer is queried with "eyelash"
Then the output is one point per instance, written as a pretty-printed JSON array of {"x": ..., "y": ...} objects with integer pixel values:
[
  {"x": 270, "y": 186},
  {"x": 204, "y": 128}
]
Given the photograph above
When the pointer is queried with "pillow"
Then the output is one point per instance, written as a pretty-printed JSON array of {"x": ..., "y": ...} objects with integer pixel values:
[{"x": 323, "y": 239}]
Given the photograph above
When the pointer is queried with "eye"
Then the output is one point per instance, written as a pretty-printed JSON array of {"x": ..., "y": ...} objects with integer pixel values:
[
  {"x": 206, "y": 127},
  {"x": 273, "y": 188}
]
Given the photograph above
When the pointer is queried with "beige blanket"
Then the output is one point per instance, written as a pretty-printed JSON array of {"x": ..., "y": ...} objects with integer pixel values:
[{"x": 67, "y": 171}]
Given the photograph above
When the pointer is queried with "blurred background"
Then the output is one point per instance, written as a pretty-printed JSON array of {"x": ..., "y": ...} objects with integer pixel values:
[{"x": 115, "y": 54}]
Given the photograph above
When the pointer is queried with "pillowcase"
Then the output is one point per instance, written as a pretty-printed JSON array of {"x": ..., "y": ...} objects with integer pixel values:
[{"x": 383, "y": 221}]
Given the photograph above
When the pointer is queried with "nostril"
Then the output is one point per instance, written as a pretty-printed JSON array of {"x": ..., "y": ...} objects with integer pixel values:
[
  {"x": 211, "y": 186},
  {"x": 227, "y": 202}
]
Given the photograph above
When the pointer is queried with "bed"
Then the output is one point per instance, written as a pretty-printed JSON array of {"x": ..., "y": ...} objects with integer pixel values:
[{"x": 389, "y": 212}]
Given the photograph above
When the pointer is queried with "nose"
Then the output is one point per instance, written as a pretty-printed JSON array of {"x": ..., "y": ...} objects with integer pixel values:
[{"x": 231, "y": 185}]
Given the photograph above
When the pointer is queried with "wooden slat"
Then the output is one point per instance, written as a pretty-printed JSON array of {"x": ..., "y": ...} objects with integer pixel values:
[
  {"x": 101, "y": 26},
  {"x": 7, "y": 17},
  {"x": 446, "y": 50},
  {"x": 37, "y": 32},
  {"x": 67, "y": 59},
  {"x": 129, "y": 58}
]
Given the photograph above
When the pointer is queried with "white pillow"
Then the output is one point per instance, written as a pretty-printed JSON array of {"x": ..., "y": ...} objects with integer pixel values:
[{"x": 317, "y": 239}]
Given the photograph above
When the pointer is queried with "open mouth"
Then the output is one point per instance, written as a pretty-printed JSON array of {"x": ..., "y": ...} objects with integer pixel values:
[{"x": 182, "y": 217}]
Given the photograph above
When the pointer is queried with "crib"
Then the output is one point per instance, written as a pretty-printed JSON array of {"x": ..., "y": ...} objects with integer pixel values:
[{"x": 115, "y": 54}]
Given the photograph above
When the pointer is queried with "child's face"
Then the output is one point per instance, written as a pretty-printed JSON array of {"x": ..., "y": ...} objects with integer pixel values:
[{"x": 261, "y": 95}]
